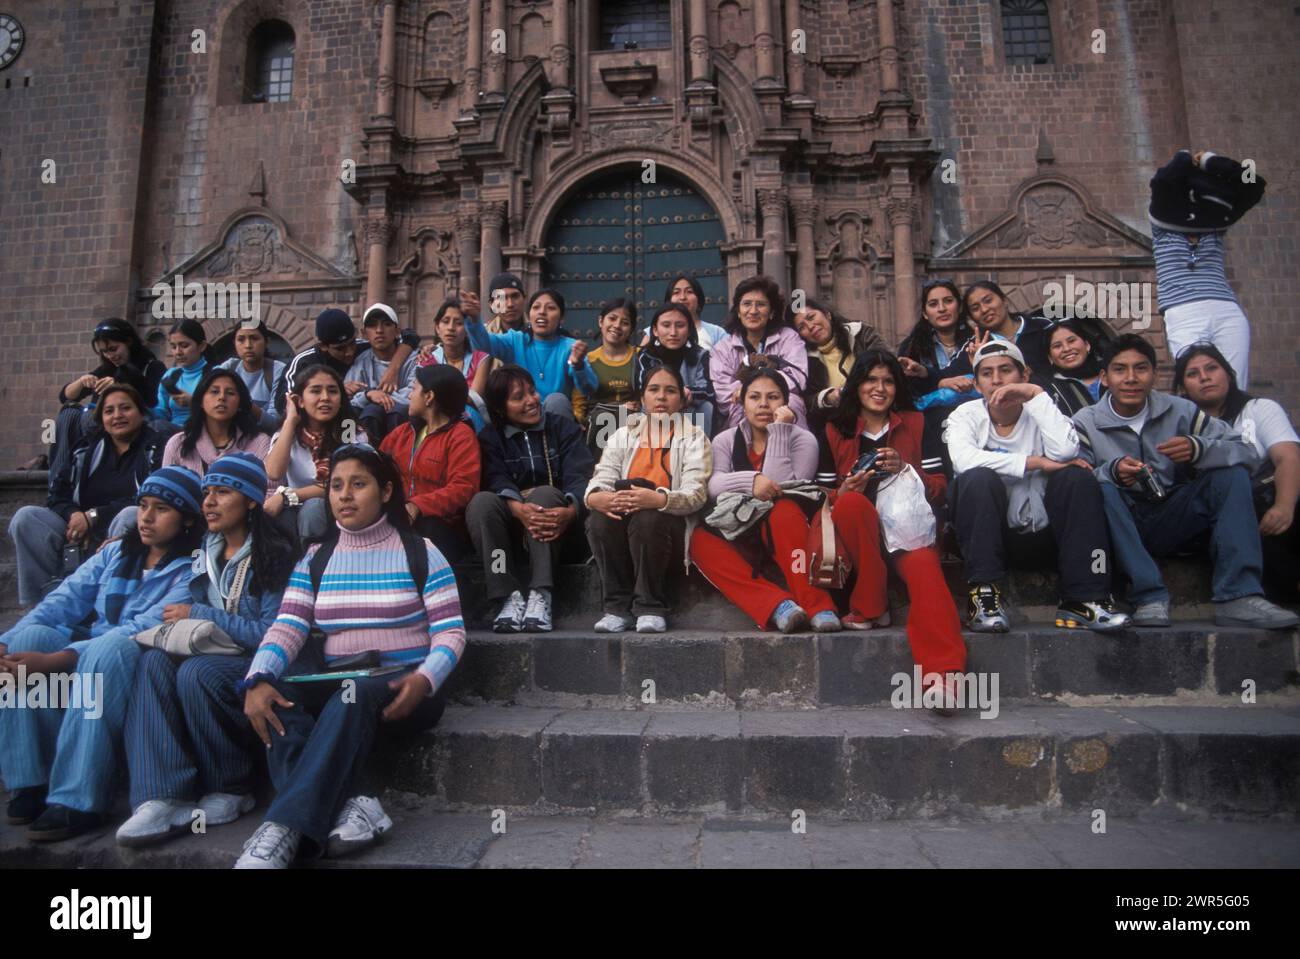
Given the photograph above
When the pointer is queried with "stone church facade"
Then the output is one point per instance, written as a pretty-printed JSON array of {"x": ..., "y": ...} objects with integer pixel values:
[{"x": 340, "y": 152}]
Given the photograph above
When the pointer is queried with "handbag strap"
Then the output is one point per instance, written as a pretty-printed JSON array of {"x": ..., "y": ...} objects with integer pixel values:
[
  {"x": 828, "y": 537},
  {"x": 237, "y": 587}
]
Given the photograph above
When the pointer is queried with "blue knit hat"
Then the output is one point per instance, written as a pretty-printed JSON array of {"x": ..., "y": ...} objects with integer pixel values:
[
  {"x": 176, "y": 486},
  {"x": 242, "y": 472}
]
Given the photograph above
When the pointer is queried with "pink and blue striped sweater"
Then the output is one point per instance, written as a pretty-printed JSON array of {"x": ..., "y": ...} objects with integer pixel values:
[{"x": 367, "y": 601}]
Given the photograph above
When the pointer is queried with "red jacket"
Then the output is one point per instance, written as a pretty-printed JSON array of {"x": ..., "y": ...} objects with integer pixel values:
[
  {"x": 905, "y": 432},
  {"x": 442, "y": 476}
]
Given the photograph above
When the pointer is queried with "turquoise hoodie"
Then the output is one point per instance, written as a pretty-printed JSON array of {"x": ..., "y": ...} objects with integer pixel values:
[{"x": 187, "y": 381}]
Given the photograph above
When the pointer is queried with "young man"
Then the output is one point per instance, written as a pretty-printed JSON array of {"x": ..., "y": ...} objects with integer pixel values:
[
  {"x": 378, "y": 410},
  {"x": 337, "y": 347},
  {"x": 263, "y": 376},
  {"x": 1168, "y": 473},
  {"x": 1020, "y": 492},
  {"x": 506, "y": 303}
]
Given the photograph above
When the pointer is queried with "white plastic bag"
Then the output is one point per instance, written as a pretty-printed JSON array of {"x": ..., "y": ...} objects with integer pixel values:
[{"x": 905, "y": 516}]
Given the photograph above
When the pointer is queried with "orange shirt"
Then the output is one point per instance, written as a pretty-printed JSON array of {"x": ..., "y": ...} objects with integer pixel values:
[{"x": 651, "y": 462}]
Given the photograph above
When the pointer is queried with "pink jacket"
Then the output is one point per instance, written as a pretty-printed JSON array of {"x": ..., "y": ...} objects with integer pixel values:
[
  {"x": 792, "y": 454},
  {"x": 729, "y": 355}
]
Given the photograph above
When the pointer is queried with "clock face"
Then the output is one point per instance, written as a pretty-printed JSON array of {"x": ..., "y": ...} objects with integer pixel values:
[{"x": 11, "y": 40}]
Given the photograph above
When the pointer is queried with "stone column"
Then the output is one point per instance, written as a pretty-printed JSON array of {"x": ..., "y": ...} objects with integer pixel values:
[
  {"x": 492, "y": 216},
  {"x": 473, "y": 58},
  {"x": 560, "y": 50},
  {"x": 794, "y": 62},
  {"x": 805, "y": 215},
  {"x": 496, "y": 61},
  {"x": 888, "y": 47},
  {"x": 387, "y": 60},
  {"x": 775, "y": 263},
  {"x": 901, "y": 210},
  {"x": 467, "y": 240},
  {"x": 379, "y": 233},
  {"x": 699, "y": 42},
  {"x": 764, "y": 42}
]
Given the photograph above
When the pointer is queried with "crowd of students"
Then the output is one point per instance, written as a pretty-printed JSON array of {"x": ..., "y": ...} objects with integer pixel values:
[{"x": 788, "y": 455}]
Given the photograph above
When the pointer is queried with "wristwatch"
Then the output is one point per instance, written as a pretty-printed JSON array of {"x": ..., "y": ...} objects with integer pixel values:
[
  {"x": 290, "y": 495},
  {"x": 92, "y": 515}
]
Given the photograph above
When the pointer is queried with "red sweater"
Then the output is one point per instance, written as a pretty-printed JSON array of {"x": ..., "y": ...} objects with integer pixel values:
[
  {"x": 904, "y": 435},
  {"x": 442, "y": 476}
]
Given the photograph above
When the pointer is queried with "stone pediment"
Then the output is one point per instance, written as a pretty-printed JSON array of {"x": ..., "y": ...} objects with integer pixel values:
[
  {"x": 1051, "y": 215},
  {"x": 255, "y": 244}
]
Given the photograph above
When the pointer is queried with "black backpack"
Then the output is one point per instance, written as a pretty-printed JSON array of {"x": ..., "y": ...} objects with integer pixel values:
[{"x": 417, "y": 560}]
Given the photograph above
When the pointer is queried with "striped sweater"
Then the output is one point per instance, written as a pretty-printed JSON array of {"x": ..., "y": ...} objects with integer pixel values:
[{"x": 367, "y": 601}]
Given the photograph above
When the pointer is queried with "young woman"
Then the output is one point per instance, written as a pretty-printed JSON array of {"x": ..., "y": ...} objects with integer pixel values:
[
  {"x": 1195, "y": 198},
  {"x": 188, "y": 345},
  {"x": 651, "y": 481},
  {"x": 613, "y": 362},
  {"x": 992, "y": 316},
  {"x": 555, "y": 359},
  {"x": 438, "y": 456},
  {"x": 453, "y": 348},
  {"x": 1204, "y": 376},
  {"x": 100, "y": 480},
  {"x": 1076, "y": 373},
  {"x": 832, "y": 343},
  {"x": 188, "y": 746},
  {"x": 929, "y": 356},
  {"x": 754, "y": 459},
  {"x": 372, "y": 598},
  {"x": 263, "y": 376},
  {"x": 876, "y": 415},
  {"x": 672, "y": 344},
  {"x": 317, "y": 421},
  {"x": 758, "y": 336},
  {"x": 221, "y": 420},
  {"x": 686, "y": 290},
  {"x": 535, "y": 467},
  {"x": 59, "y": 764}
]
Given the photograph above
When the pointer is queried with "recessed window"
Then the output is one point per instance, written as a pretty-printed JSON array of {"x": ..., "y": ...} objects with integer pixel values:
[
  {"x": 270, "y": 62},
  {"x": 1026, "y": 31},
  {"x": 638, "y": 25}
]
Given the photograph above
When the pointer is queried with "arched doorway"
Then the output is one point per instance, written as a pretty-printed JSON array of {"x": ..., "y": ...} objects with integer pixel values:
[
  {"x": 277, "y": 347},
  {"x": 616, "y": 236}
]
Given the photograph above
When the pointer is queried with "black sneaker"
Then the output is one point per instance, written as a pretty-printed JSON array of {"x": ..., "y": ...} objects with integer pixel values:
[
  {"x": 25, "y": 805},
  {"x": 59, "y": 822},
  {"x": 984, "y": 610},
  {"x": 1100, "y": 617}
]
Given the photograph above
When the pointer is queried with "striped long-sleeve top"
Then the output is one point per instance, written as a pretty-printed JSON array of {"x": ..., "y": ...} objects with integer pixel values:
[{"x": 367, "y": 601}]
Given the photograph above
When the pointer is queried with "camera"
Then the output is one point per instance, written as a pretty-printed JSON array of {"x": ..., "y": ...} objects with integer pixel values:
[
  {"x": 866, "y": 461},
  {"x": 1151, "y": 483}
]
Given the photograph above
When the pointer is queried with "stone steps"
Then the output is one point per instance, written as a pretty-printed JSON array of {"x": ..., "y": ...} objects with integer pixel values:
[
  {"x": 857, "y": 763},
  {"x": 426, "y": 838},
  {"x": 756, "y": 669}
]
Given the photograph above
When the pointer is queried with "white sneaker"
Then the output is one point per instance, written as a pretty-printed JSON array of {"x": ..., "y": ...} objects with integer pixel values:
[
  {"x": 650, "y": 624},
  {"x": 361, "y": 821},
  {"x": 222, "y": 808},
  {"x": 511, "y": 617},
  {"x": 537, "y": 615},
  {"x": 613, "y": 623},
  {"x": 154, "y": 820},
  {"x": 272, "y": 846}
]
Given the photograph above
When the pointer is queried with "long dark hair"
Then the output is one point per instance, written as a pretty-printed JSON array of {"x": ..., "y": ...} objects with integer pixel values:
[
  {"x": 692, "y": 334},
  {"x": 919, "y": 344},
  {"x": 555, "y": 295},
  {"x": 273, "y": 554},
  {"x": 695, "y": 288},
  {"x": 750, "y": 374},
  {"x": 118, "y": 330},
  {"x": 770, "y": 289},
  {"x": 839, "y": 329},
  {"x": 845, "y": 416},
  {"x": 381, "y": 466},
  {"x": 333, "y": 437},
  {"x": 619, "y": 303},
  {"x": 1237, "y": 398},
  {"x": 449, "y": 389},
  {"x": 244, "y": 425},
  {"x": 193, "y": 330},
  {"x": 1092, "y": 364}
]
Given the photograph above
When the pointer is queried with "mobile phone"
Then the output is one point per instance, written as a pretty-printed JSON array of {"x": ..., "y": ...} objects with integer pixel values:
[
  {"x": 624, "y": 484},
  {"x": 866, "y": 461}
]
